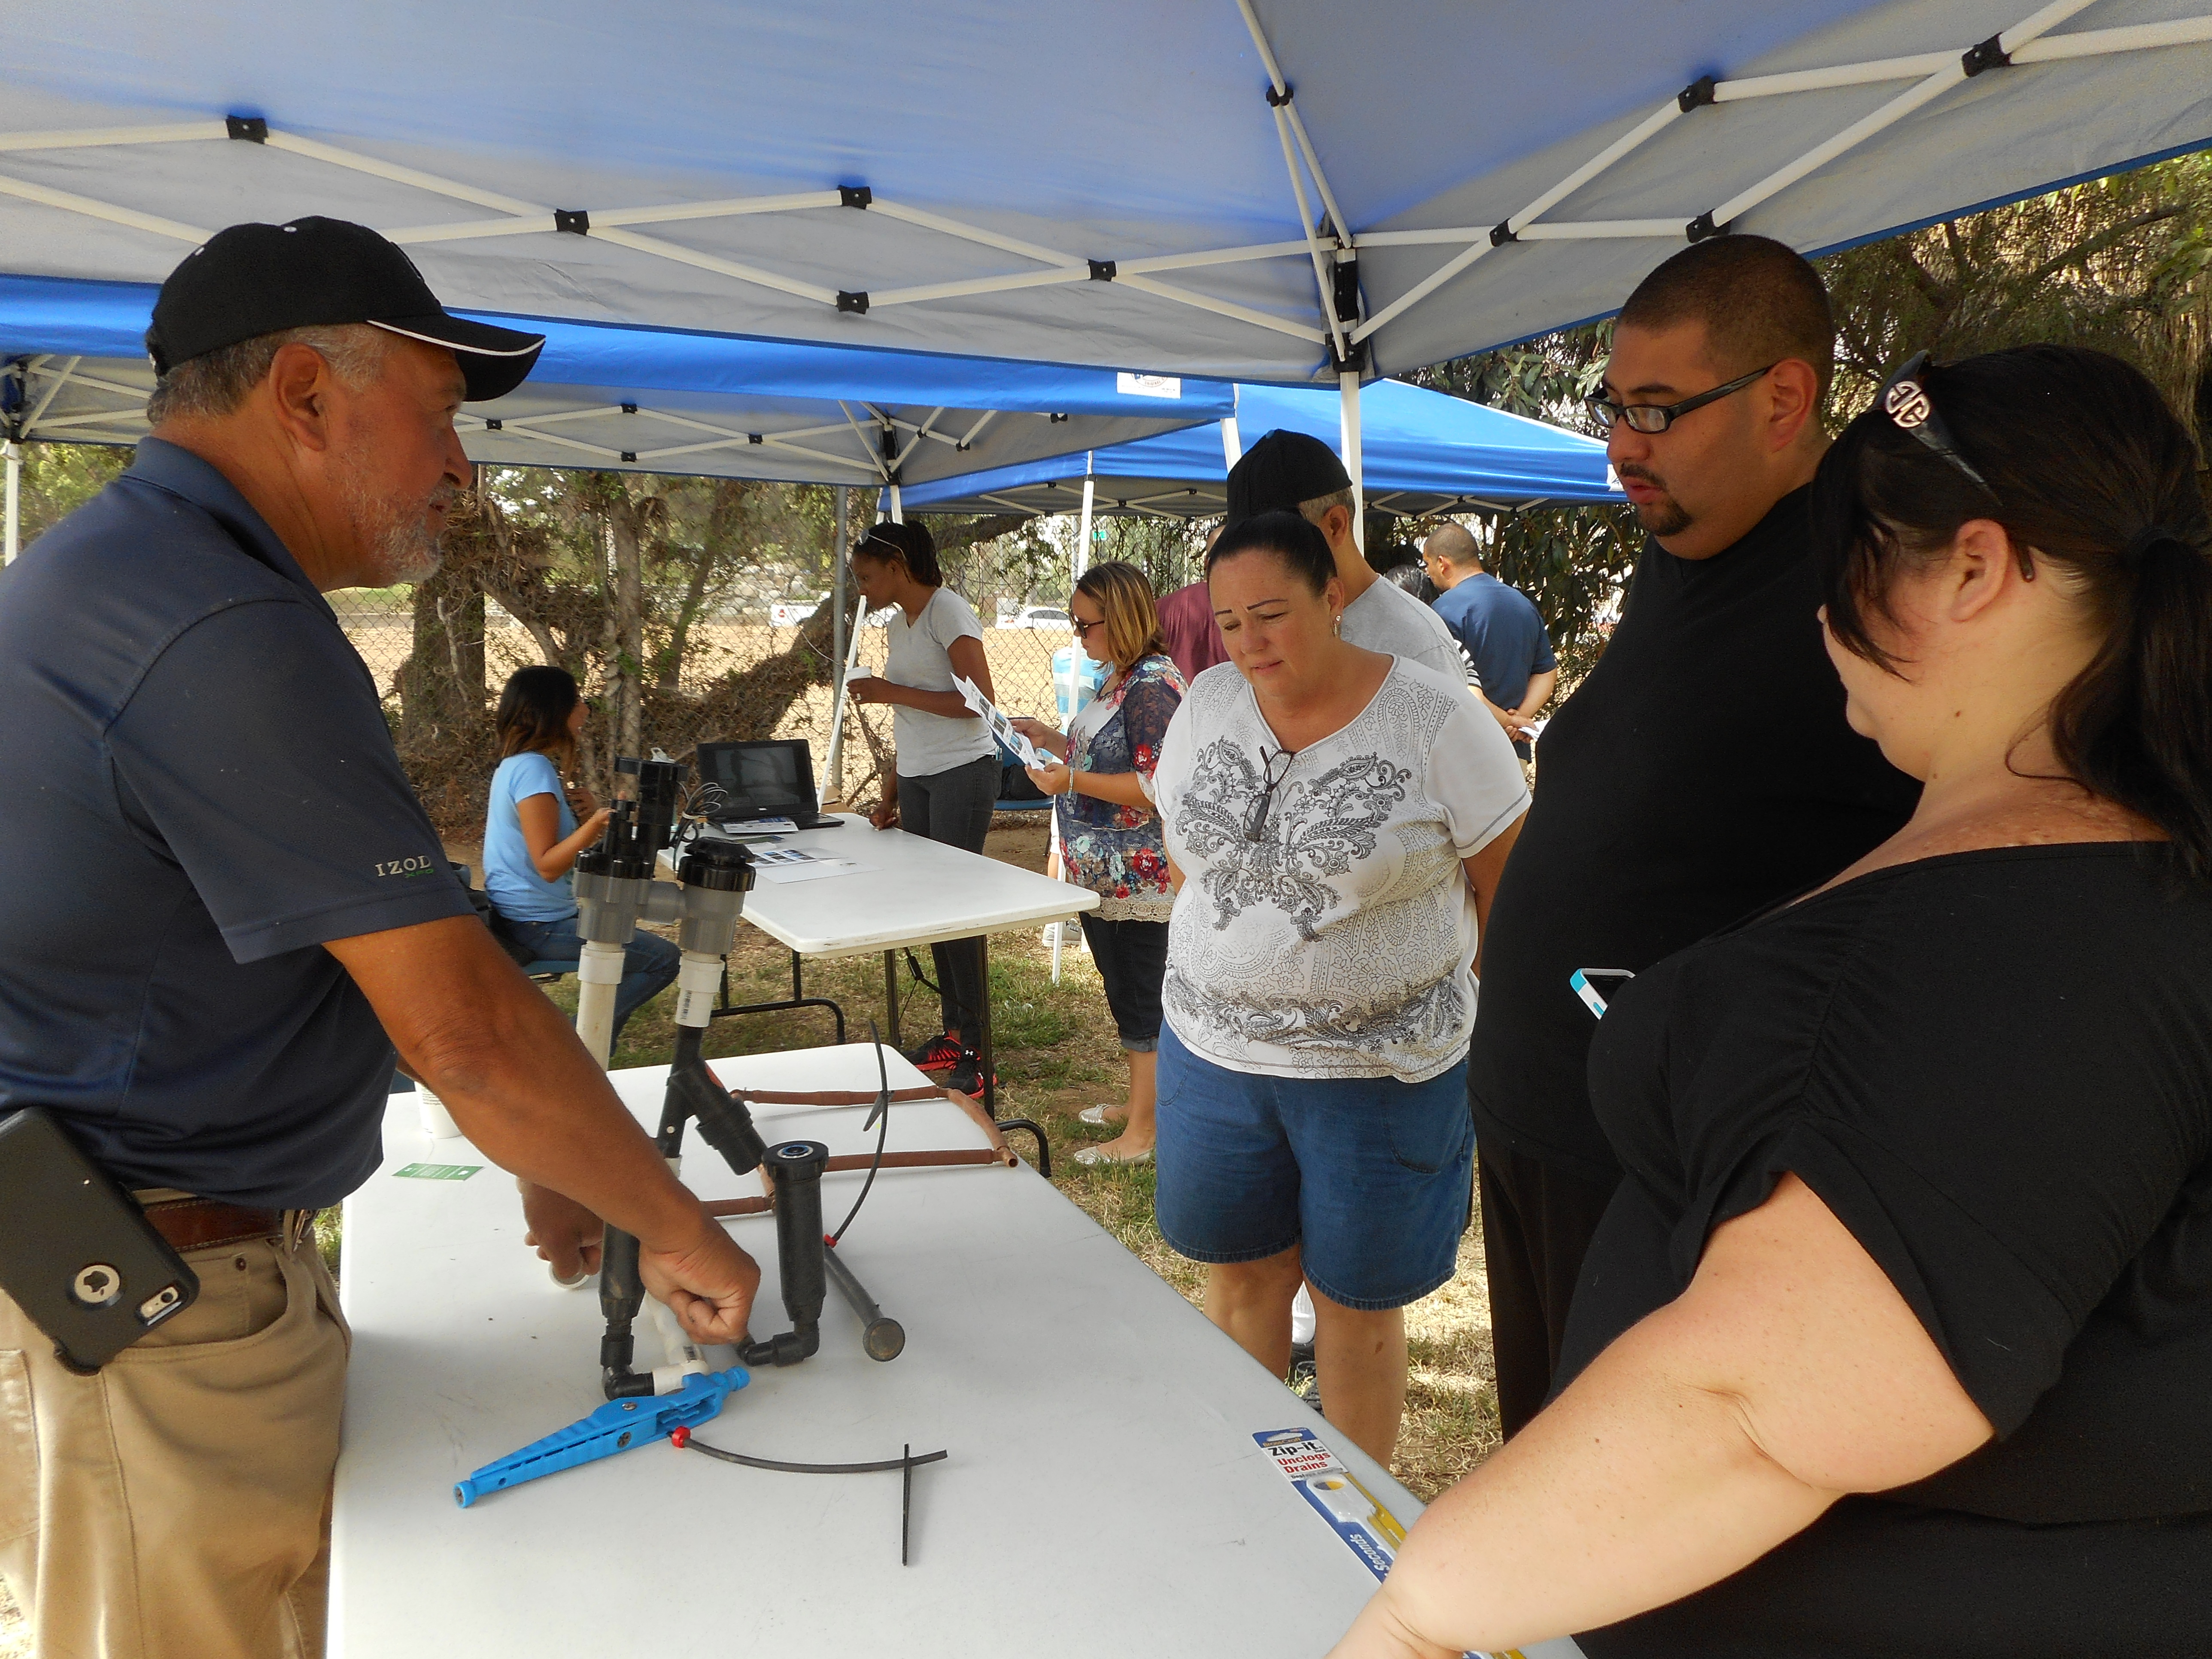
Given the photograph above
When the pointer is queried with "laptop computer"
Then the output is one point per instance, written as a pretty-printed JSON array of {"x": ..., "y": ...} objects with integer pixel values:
[{"x": 764, "y": 780}]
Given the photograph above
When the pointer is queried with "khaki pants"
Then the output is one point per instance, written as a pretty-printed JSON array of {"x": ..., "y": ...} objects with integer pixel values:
[{"x": 177, "y": 1505}]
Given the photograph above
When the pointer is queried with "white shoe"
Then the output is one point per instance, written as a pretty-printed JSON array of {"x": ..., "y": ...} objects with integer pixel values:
[{"x": 1097, "y": 1115}]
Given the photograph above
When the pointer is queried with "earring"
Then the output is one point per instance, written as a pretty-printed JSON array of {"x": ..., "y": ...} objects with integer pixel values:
[{"x": 1336, "y": 624}]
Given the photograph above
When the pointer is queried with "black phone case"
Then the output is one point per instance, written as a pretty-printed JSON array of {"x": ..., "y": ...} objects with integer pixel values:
[{"x": 78, "y": 1253}]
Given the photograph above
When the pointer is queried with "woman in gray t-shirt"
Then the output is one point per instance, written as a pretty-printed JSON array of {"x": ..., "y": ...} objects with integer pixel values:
[{"x": 946, "y": 778}]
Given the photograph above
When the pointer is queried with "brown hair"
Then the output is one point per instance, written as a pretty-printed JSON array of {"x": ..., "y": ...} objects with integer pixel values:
[
  {"x": 1759, "y": 300},
  {"x": 533, "y": 714},
  {"x": 2087, "y": 467},
  {"x": 1132, "y": 616}
]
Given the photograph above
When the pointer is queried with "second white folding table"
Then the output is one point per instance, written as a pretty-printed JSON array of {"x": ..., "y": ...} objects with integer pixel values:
[{"x": 911, "y": 892}]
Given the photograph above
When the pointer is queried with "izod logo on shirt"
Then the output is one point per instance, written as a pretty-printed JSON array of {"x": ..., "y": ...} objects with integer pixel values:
[{"x": 414, "y": 866}]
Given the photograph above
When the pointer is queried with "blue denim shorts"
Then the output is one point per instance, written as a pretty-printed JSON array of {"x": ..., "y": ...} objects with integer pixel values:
[{"x": 1370, "y": 1176}]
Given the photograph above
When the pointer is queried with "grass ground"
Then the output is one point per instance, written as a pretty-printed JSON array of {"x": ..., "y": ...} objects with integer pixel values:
[{"x": 1057, "y": 1055}]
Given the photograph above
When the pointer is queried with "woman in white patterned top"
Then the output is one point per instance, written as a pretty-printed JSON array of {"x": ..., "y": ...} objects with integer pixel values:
[{"x": 1336, "y": 819}]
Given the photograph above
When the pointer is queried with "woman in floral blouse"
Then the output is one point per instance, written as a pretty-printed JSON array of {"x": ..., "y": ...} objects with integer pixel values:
[{"x": 1110, "y": 837}]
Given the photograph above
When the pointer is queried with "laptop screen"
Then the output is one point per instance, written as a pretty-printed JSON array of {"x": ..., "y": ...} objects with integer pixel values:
[{"x": 760, "y": 780}]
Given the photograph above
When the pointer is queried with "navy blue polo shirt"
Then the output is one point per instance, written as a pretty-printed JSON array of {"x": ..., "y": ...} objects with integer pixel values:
[
  {"x": 1503, "y": 632},
  {"x": 201, "y": 791}
]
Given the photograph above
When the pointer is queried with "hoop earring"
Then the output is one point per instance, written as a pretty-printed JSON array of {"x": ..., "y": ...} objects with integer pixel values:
[{"x": 1336, "y": 624}]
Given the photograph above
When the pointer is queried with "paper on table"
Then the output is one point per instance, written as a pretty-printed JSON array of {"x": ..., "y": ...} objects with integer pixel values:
[
  {"x": 1001, "y": 727},
  {"x": 814, "y": 870}
]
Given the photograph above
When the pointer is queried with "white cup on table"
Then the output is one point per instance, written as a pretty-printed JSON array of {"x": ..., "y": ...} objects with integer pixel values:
[{"x": 437, "y": 1122}]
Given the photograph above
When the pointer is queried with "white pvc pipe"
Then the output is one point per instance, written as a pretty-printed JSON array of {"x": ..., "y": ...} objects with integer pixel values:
[
  {"x": 1232, "y": 442},
  {"x": 1347, "y": 386},
  {"x": 597, "y": 972},
  {"x": 1083, "y": 532},
  {"x": 698, "y": 982},
  {"x": 898, "y": 513},
  {"x": 836, "y": 764},
  {"x": 14, "y": 510}
]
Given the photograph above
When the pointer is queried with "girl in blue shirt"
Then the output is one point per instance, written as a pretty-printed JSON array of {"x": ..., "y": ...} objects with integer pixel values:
[{"x": 532, "y": 837}]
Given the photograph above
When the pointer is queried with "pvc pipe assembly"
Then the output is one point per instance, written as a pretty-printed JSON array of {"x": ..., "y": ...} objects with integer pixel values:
[{"x": 599, "y": 971}]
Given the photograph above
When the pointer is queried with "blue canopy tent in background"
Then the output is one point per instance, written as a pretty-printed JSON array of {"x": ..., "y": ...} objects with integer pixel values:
[
  {"x": 1425, "y": 451},
  {"x": 74, "y": 365},
  {"x": 1235, "y": 188}
]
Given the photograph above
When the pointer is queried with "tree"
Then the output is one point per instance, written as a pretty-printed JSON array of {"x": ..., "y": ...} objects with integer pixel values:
[
  {"x": 60, "y": 479},
  {"x": 2119, "y": 264},
  {"x": 1572, "y": 561}
]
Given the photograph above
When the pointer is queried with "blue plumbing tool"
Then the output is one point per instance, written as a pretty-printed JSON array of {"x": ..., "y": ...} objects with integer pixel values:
[{"x": 615, "y": 1427}]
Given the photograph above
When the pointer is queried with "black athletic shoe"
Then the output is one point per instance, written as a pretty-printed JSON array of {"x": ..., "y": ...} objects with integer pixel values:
[
  {"x": 966, "y": 1074},
  {"x": 940, "y": 1054}
]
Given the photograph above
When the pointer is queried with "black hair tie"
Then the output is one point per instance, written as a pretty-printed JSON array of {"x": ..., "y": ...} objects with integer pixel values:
[{"x": 2137, "y": 553}]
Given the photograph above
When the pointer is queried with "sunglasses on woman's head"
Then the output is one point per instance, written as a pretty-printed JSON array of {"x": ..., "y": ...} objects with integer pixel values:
[{"x": 1906, "y": 400}]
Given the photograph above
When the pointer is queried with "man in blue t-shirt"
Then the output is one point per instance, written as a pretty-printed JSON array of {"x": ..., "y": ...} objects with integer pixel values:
[
  {"x": 1498, "y": 627},
  {"x": 226, "y": 909}
]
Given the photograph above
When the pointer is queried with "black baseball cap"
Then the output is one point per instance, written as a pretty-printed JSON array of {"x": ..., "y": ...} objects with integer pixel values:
[
  {"x": 1281, "y": 470},
  {"x": 252, "y": 280}
]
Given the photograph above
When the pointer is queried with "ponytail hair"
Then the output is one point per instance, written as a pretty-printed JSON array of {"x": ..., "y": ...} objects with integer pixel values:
[
  {"x": 2086, "y": 466},
  {"x": 909, "y": 545}
]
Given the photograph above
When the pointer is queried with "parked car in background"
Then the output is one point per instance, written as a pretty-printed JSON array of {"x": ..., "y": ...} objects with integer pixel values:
[
  {"x": 792, "y": 612},
  {"x": 1036, "y": 616}
]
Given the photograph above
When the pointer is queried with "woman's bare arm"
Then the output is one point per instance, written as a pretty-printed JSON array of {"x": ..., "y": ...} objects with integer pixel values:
[
  {"x": 967, "y": 661},
  {"x": 1789, "y": 1373},
  {"x": 553, "y": 855},
  {"x": 1483, "y": 871}
]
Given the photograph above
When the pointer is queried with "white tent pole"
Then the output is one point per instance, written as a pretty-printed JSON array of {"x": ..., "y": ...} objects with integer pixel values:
[
  {"x": 15, "y": 453},
  {"x": 1347, "y": 386},
  {"x": 898, "y": 513},
  {"x": 1083, "y": 533},
  {"x": 833, "y": 777},
  {"x": 1232, "y": 442}
]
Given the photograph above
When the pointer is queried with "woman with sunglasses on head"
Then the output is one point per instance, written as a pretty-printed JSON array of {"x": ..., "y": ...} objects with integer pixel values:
[
  {"x": 1337, "y": 819},
  {"x": 1109, "y": 834},
  {"x": 945, "y": 781},
  {"x": 532, "y": 837},
  {"x": 1894, "y": 1338}
]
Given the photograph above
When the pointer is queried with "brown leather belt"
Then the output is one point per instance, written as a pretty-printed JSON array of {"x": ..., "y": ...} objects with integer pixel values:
[{"x": 203, "y": 1223}]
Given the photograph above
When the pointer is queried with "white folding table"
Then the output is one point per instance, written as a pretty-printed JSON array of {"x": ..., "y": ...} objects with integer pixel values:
[
  {"x": 914, "y": 891},
  {"x": 1103, "y": 1493}
]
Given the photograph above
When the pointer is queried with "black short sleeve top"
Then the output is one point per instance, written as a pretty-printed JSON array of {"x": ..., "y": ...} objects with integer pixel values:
[{"x": 1995, "y": 1068}]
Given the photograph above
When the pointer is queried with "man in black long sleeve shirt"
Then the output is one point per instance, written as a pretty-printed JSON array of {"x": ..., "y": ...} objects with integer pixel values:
[{"x": 1702, "y": 770}]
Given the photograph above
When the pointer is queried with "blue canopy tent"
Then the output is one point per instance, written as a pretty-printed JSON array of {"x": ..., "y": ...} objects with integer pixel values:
[
  {"x": 1425, "y": 451},
  {"x": 1237, "y": 189},
  {"x": 73, "y": 368}
]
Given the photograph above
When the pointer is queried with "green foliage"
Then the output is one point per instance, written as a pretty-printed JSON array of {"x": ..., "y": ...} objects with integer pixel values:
[
  {"x": 60, "y": 479},
  {"x": 1570, "y": 561},
  {"x": 2120, "y": 265}
]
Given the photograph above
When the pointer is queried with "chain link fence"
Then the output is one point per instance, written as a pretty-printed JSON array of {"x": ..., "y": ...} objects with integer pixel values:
[{"x": 756, "y": 661}]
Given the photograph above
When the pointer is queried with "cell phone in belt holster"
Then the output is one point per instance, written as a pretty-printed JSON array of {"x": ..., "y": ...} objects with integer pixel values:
[{"x": 77, "y": 1252}]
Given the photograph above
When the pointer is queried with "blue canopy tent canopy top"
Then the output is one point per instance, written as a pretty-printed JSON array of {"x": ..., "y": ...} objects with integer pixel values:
[
  {"x": 1274, "y": 210},
  {"x": 1424, "y": 452},
  {"x": 72, "y": 356}
]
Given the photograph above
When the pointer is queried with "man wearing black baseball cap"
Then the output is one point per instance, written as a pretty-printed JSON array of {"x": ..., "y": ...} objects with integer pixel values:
[
  {"x": 228, "y": 910},
  {"x": 1296, "y": 472}
]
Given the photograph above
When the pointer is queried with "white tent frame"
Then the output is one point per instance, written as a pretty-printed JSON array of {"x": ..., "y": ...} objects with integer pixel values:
[{"x": 1329, "y": 244}]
